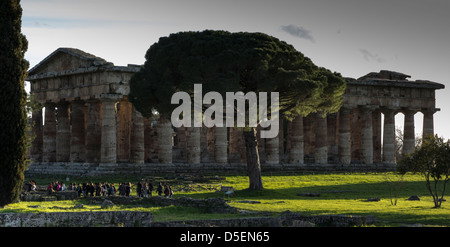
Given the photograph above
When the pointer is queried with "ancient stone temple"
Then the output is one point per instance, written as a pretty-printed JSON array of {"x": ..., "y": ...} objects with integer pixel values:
[{"x": 87, "y": 121}]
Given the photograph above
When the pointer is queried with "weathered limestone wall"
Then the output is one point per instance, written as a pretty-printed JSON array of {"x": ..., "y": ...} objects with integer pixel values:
[
  {"x": 287, "y": 219},
  {"x": 77, "y": 219}
]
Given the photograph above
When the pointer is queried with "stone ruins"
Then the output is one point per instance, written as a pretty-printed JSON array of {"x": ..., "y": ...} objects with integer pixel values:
[{"x": 87, "y": 119}]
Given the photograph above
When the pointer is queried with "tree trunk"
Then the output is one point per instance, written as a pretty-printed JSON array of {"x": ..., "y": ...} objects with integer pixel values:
[{"x": 253, "y": 163}]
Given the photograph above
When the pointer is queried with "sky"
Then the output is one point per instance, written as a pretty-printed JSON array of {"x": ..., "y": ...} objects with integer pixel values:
[{"x": 352, "y": 37}]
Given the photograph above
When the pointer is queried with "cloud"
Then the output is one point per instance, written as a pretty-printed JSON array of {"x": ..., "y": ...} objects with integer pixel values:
[
  {"x": 299, "y": 32},
  {"x": 368, "y": 56}
]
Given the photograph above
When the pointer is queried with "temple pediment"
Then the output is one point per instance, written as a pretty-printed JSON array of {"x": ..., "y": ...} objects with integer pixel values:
[
  {"x": 66, "y": 60},
  {"x": 386, "y": 78},
  {"x": 68, "y": 74}
]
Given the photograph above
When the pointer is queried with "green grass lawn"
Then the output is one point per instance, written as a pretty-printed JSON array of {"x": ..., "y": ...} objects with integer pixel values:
[
  {"x": 348, "y": 194},
  {"x": 345, "y": 194}
]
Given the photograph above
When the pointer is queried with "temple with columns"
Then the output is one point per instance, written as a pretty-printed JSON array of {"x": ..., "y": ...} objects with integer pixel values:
[{"x": 87, "y": 121}]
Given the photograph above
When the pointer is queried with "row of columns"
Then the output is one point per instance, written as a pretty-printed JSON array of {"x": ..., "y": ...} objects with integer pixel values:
[
  {"x": 370, "y": 125},
  {"x": 88, "y": 131},
  {"x": 356, "y": 133},
  {"x": 85, "y": 131}
]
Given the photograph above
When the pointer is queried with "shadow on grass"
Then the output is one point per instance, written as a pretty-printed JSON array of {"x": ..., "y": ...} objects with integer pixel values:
[
  {"x": 330, "y": 192},
  {"x": 404, "y": 214}
]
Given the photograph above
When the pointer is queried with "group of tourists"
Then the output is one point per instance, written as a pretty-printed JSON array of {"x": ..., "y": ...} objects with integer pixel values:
[
  {"x": 56, "y": 186},
  {"x": 166, "y": 189},
  {"x": 143, "y": 189},
  {"x": 93, "y": 189}
]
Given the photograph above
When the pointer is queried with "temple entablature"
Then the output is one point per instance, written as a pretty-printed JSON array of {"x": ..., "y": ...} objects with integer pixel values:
[{"x": 391, "y": 89}]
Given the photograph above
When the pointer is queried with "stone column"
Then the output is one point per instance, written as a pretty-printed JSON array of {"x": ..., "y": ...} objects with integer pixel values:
[
  {"x": 181, "y": 141},
  {"x": 233, "y": 148},
  {"x": 181, "y": 137},
  {"x": 204, "y": 151},
  {"x": 408, "y": 132},
  {"x": 149, "y": 140},
  {"x": 49, "y": 135},
  {"x": 63, "y": 133},
  {"x": 273, "y": 150},
  {"x": 281, "y": 139},
  {"x": 376, "y": 123},
  {"x": 355, "y": 134},
  {"x": 193, "y": 145},
  {"x": 77, "y": 138},
  {"x": 210, "y": 141},
  {"x": 124, "y": 130},
  {"x": 109, "y": 137},
  {"x": 36, "y": 146},
  {"x": 332, "y": 137},
  {"x": 321, "y": 147},
  {"x": 94, "y": 131},
  {"x": 221, "y": 145},
  {"x": 308, "y": 135},
  {"x": 428, "y": 123},
  {"x": 344, "y": 149},
  {"x": 389, "y": 136},
  {"x": 288, "y": 138},
  {"x": 137, "y": 148},
  {"x": 237, "y": 149},
  {"x": 367, "y": 136},
  {"x": 165, "y": 135},
  {"x": 296, "y": 154}
]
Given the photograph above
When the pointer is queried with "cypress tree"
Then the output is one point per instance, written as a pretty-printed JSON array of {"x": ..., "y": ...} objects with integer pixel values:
[{"x": 13, "y": 121}]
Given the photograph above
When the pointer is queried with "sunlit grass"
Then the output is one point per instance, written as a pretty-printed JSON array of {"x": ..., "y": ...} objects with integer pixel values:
[{"x": 345, "y": 194}]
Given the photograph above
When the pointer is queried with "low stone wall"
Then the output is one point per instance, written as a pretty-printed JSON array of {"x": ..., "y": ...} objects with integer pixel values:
[
  {"x": 287, "y": 219},
  {"x": 77, "y": 219},
  {"x": 151, "y": 169},
  {"x": 210, "y": 205},
  {"x": 39, "y": 196},
  {"x": 145, "y": 219}
]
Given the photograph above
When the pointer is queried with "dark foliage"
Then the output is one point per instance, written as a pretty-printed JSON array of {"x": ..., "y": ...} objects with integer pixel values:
[
  {"x": 231, "y": 62},
  {"x": 432, "y": 160},
  {"x": 13, "y": 68}
]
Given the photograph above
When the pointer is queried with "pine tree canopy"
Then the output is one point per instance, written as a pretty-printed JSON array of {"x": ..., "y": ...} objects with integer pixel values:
[{"x": 230, "y": 62}]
